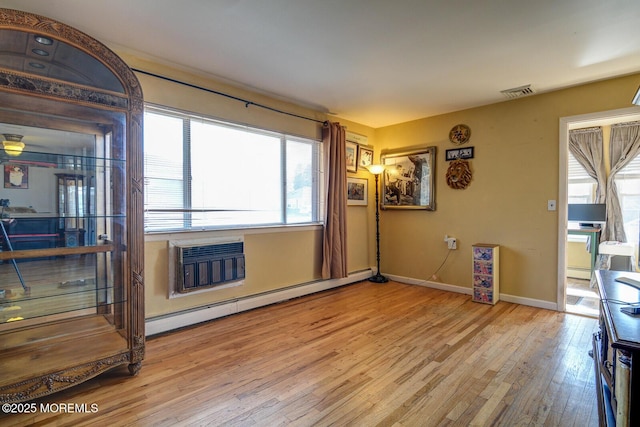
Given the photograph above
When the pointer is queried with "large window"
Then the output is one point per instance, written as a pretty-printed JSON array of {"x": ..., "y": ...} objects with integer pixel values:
[{"x": 205, "y": 174}]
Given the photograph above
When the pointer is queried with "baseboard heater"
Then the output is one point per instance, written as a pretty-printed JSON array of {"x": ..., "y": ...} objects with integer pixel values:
[{"x": 204, "y": 266}]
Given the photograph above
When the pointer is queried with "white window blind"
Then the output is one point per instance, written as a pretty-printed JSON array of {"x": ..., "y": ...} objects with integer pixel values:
[
  {"x": 581, "y": 187},
  {"x": 201, "y": 173}
]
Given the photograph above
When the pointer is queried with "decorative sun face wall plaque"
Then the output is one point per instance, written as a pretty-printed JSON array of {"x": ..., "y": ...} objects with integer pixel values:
[
  {"x": 459, "y": 134},
  {"x": 459, "y": 174}
]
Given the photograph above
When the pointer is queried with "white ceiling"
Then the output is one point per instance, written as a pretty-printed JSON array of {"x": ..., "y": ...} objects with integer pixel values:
[{"x": 375, "y": 62}]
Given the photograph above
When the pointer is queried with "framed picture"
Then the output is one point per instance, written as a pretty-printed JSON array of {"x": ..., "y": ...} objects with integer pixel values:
[
  {"x": 365, "y": 156},
  {"x": 459, "y": 153},
  {"x": 16, "y": 175},
  {"x": 408, "y": 179},
  {"x": 357, "y": 191},
  {"x": 352, "y": 156}
]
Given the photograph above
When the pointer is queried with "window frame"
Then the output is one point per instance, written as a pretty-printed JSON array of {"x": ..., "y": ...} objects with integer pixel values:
[{"x": 188, "y": 210}]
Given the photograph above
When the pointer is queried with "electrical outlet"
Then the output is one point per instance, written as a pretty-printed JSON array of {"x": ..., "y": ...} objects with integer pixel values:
[{"x": 452, "y": 243}]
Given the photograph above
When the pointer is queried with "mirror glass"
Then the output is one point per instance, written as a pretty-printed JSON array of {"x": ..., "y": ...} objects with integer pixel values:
[{"x": 45, "y": 56}]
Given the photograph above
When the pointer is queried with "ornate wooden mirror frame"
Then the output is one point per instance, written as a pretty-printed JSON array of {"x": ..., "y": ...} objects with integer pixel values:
[{"x": 85, "y": 81}]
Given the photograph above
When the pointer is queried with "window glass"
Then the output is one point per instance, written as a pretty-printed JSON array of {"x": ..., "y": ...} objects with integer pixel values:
[
  {"x": 300, "y": 189},
  {"x": 163, "y": 171},
  {"x": 203, "y": 174},
  {"x": 236, "y": 176},
  {"x": 581, "y": 188}
]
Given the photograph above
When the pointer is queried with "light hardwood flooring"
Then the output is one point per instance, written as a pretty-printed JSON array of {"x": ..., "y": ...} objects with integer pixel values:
[
  {"x": 362, "y": 355},
  {"x": 582, "y": 298}
]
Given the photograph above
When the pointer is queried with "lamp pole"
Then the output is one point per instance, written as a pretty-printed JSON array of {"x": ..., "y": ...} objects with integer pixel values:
[{"x": 376, "y": 170}]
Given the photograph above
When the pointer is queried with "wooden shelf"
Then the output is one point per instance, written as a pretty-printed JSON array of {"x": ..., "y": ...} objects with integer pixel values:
[{"x": 29, "y": 355}]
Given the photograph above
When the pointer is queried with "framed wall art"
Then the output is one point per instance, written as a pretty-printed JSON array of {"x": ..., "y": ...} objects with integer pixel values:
[
  {"x": 16, "y": 175},
  {"x": 352, "y": 156},
  {"x": 408, "y": 179},
  {"x": 459, "y": 153},
  {"x": 365, "y": 156},
  {"x": 357, "y": 191}
]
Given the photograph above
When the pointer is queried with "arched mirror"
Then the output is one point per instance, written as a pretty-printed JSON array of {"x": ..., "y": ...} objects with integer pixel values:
[{"x": 71, "y": 253}]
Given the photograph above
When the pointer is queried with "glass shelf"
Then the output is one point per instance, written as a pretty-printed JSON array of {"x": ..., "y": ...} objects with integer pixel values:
[
  {"x": 18, "y": 295},
  {"x": 66, "y": 161},
  {"x": 33, "y": 308},
  {"x": 38, "y": 288}
]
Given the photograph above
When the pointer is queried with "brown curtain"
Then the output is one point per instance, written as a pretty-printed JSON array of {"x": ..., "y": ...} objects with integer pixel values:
[{"x": 334, "y": 254}]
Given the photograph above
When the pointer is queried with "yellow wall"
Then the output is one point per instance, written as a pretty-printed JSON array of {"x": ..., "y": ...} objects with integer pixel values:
[
  {"x": 515, "y": 172},
  {"x": 578, "y": 256}
]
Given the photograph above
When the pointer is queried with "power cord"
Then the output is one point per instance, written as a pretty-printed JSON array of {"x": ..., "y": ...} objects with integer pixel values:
[{"x": 433, "y": 276}]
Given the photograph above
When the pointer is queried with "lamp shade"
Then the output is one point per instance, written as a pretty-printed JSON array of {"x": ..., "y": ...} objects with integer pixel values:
[
  {"x": 376, "y": 169},
  {"x": 13, "y": 144}
]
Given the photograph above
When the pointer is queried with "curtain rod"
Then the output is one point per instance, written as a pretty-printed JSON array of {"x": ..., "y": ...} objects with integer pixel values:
[{"x": 246, "y": 102}]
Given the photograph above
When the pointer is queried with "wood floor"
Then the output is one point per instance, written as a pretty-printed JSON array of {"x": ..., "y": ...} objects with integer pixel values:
[{"x": 363, "y": 355}]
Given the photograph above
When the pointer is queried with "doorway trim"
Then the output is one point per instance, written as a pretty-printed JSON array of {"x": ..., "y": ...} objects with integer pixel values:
[{"x": 602, "y": 118}]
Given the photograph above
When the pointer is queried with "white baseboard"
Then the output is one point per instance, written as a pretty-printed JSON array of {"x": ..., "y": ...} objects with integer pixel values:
[
  {"x": 464, "y": 290},
  {"x": 160, "y": 324},
  {"x": 538, "y": 303},
  {"x": 430, "y": 284}
]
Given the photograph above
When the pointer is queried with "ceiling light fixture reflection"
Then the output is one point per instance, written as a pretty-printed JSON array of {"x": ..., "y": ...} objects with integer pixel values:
[
  {"x": 44, "y": 40},
  {"x": 13, "y": 144},
  {"x": 40, "y": 52}
]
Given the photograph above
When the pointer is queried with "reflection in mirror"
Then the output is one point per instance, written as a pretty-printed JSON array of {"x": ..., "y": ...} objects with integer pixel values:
[
  {"x": 50, "y": 58},
  {"x": 48, "y": 189}
]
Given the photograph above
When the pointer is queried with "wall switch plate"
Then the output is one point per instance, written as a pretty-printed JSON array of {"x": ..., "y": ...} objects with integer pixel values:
[{"x": 551, "y": 205}]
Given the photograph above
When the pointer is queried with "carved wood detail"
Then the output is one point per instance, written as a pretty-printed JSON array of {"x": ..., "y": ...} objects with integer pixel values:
[
  {"x": 16, "y": 82},
  {"x": 47, "y": 384},
  {"x": 128, "y": 318},
  {"x": 47, "y": 26}
]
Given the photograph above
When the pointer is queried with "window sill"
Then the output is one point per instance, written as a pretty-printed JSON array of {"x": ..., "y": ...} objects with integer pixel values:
[{"x": 156, "y": 236}]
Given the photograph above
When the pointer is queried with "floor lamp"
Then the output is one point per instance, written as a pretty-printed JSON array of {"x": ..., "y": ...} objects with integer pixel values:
[{"x": 376, "y": 170}]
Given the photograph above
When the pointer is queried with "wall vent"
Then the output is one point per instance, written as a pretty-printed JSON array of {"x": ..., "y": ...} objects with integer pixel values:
[
  {"x": 208, "y": 265},
  {"x": 517, "y": 92}
]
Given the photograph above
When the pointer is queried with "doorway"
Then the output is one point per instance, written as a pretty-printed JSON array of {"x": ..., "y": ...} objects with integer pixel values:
[{"x": 576, "y": 293}]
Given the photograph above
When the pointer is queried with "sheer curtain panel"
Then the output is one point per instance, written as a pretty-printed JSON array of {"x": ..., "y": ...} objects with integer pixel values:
[
  {"x": 624, "y": 146},
  {"x": 586, "y": 147}
]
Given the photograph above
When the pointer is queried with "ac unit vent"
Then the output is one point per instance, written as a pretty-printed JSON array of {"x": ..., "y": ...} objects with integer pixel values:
[
  {"x": 213, "y": 251},
  {"x": 517, "y": 92},
  {"x": 208, "y": 265}
]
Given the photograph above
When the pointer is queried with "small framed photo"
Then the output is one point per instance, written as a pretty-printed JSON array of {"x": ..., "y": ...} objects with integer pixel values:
[
  {"x": 357, "y": 191},
  {"x": 459, "y": 153},
  {"x": 365, "y": 156},
  {"x": 16, "y": 175},
  {"x": 352, "y": 156}
]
